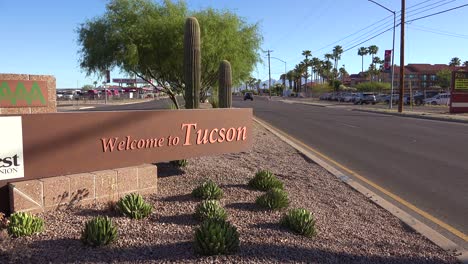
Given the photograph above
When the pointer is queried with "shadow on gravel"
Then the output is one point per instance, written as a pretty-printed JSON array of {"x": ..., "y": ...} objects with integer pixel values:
[
  {"x": 179, "y": 198},
  {"x": 182, "y": 219},
  {"x": 57, "y": 251},
  {"x": 288, "y": 254},
  {"x": 307, "y": 159},
  {"x": 165, "y": 169},
  {"x": 245, "y": 207}
]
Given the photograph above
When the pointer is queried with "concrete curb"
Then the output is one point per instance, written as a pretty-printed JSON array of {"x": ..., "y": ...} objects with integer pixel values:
[
  {"x": 431, "y": 234},
  {"x": 428, "y": 116}
]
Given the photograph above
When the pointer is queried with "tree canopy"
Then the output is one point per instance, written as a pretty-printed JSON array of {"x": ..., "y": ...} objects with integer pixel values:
[{"x": 145, "y": 38}]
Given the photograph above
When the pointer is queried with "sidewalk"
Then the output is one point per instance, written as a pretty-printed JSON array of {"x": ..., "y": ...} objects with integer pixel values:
[{"x": 432, "y": 113}]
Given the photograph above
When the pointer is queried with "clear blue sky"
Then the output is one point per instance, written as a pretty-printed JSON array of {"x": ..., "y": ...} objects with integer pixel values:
[{"x": 39, "y": 37}]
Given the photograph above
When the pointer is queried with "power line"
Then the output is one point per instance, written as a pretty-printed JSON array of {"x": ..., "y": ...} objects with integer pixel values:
[
  {"x": 429, "y": 8},
  {"x": 438, "y": 33},
  {"x": 369, "y": 38},
  {"x": 433, "y": 14},
  {"x": 437, "y": 30}
]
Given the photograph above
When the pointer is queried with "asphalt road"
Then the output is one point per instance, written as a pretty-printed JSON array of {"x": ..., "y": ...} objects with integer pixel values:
[{"x": 423, "y": 161}]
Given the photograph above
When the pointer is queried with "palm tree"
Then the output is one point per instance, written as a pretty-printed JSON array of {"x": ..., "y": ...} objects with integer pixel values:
[
  {"x": 306, "y": 53},
  {"x": 337, "y": 51},
  {"x": 373, "y": 49},
  {"x": 465, "y": 64},
  {"x": 343, "y": 73},
  {"x": 315, "y": 62},
  {"x": 455, "y": 61},
  {"x": 283, "y": 78},
  {"x": 362, "y": 51},
  {"x": 290, "y": 77}
]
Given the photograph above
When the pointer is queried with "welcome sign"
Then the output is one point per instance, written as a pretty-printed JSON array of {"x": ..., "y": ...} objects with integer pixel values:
[
  {"x": 23, "y": 93},
  {"x": 46, "y": 145}
]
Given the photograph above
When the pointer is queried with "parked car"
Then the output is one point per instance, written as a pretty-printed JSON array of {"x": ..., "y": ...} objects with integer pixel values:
[
  {"x": 395, "y": 99},
  {"x": 440, "y": 99},
  {"x": 419, "y": 98},
  {"x": 248, "y": 96},
  {"x": 349, "y": 97},
  {"x": 365, "y": 98},
  {"x": 380, "y": 98}
]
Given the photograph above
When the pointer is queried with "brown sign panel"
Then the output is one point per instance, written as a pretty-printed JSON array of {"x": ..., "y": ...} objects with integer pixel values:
[
  {"x": 68, "y": 143},
  {"x": 459, "y": 92},
  {"x": 20, "y": 93}
]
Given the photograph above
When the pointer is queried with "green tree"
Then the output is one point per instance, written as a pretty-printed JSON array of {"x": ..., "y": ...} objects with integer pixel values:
[
  {"x": 145, "y": 38},
  {"x": 362, "y": 51},
  {"x": 372, "y": 50},
  {"x": 455, "y": 61},
  {"x": 87, "y": 87},
  {"x": 444, "y": 78},
  {"x": 465, "y": 64}
]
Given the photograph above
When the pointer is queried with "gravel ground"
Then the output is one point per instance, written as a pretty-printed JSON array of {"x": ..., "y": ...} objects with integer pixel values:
[{"x": 351, "y": 229}]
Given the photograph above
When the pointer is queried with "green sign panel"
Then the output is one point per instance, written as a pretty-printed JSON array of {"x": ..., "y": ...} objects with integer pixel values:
[{"x": 23, "y": 93}]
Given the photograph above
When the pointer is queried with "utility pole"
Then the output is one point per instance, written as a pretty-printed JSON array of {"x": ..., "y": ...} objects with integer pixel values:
[
  {"x": 269, "y": 73},
  {"x": 402, "y": 57}
]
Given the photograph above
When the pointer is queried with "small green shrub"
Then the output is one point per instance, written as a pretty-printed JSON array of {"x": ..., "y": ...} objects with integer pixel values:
[
  {"x": 24, "y": 224},
  {"x": 300, "y": 221},
  {"x": 208, "y": 190},
  {"x": 179, "y": 163},
  {"x": 133, "y": 206},
  {"x": 273, "y": 199},
  {"x": 216, "y": 237},
  {"x": 214, "y": 102},
  {"x": 210, "y": 209},
  {"x": 265, "y": 180},
  {"x": 99, "y": 231}
]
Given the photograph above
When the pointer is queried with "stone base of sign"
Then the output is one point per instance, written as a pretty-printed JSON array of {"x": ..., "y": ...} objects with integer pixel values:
[
  {"x": 51, "y": 100},
  {"x": 79, "y": 189}
]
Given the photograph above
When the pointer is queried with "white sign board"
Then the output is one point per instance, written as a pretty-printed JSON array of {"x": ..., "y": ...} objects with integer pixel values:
[{"x": 11, "y": 148}]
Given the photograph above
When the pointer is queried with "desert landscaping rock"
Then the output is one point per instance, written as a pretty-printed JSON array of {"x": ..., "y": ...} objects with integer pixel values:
[{"x": 351, "y": 229}]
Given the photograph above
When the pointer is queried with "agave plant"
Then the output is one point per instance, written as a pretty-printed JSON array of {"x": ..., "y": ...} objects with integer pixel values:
[
  {"x": 208, "y": 190},
  {"x": 133, "y": 206},
  {"x": 273, "y": 199},
  {"x": 99, "y": 231},
  {"x": 216, "y": 237},
  {"x": 265, "y": 180},
  {"x": 24, "y": 224},
  {"x": 210, "y": 209},
  {"x": 300, "y": 221}
]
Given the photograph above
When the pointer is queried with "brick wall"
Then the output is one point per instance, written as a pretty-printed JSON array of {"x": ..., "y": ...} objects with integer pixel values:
[
  {"x": 86, "y": 188},
  {"x": 51, "y": 100}
]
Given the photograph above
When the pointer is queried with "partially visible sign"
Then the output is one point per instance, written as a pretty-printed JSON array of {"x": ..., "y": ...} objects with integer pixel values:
[
  {"x": 20, "y": 93},
  {"x": 461, "y": 81},
  {"x": 69, "y": 143},
  {"x": 11, "y": 148},
  {"x": 387, "y": 60},
  {"x": 128, "y": 80},
  {"x": 459, "y": 92}
]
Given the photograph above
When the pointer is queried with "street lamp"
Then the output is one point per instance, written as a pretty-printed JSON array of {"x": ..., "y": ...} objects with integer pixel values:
[
  {"x": 393, "y": 50},
  {"x": 284, "y": 68}
]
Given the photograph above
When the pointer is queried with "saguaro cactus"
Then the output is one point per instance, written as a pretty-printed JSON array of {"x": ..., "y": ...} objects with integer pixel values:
[
  {"x": 192, "y": 63},
  {"x": 225, "y": 84}
]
